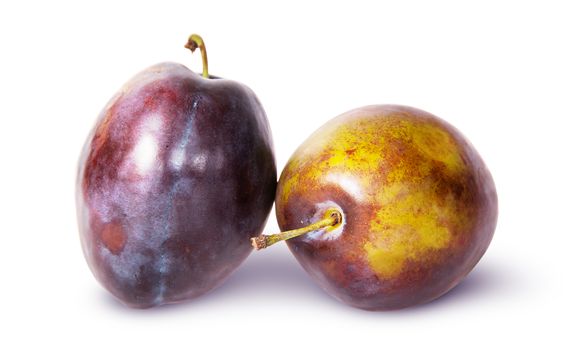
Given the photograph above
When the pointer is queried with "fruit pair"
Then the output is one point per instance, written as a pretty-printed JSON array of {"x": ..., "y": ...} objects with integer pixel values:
[{"x": 389, "y": 206}]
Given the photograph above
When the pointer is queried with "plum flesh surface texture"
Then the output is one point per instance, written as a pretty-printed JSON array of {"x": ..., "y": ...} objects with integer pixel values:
[
  {"x": 175, "y": 176},
  {"x": 418, "y": 206}
]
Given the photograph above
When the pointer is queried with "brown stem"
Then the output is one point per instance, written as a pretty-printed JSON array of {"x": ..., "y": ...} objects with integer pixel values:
[
  {"x": 331, "y": 218},
  {"x": 195, "y": 41}
]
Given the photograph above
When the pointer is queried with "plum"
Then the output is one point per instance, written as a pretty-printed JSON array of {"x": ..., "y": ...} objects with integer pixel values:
[
  {"x": 399, "y": 207},
  {"x": 175, "y": 176}
]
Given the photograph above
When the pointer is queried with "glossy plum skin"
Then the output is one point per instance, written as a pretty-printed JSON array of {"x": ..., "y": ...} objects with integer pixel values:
[
  {"x": 419, "y": 206},
  {"x": 176, "y": 175}
]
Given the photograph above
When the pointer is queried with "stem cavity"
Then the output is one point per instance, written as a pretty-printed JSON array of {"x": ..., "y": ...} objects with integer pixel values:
[
  {"x": 331, "y": 219},
  {"x": 195, "y": 41}
]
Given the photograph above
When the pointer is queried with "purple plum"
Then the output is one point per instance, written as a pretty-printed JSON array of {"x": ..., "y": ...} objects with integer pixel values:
[{"x": 176, "y": 175}]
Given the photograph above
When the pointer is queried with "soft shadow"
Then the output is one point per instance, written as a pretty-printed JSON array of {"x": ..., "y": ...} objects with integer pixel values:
[
  {"x": 485, "y": 282},
  {"x": 274, "y": 273}
]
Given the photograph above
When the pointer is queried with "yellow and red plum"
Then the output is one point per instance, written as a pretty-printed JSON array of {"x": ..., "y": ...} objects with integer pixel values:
[
  {"x": 175, "y": 176},
  {"x": 418, "y": 206}
]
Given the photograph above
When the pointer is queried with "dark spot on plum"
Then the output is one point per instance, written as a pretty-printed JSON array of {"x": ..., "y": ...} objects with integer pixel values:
[{"x": 113, "y": 237}]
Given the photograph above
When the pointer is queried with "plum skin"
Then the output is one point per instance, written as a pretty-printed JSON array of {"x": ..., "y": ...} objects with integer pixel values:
[
  {"x": 176, "y": 175},
  {"x": 419, "y": 206}
]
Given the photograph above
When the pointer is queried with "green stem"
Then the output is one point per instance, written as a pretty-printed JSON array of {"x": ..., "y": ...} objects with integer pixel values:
[
  {"x": 195, "y": 41},
  {"x": 331, "y": 218}
]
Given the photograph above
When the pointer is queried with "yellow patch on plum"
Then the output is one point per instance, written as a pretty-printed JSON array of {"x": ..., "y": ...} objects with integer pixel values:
[
  {"x": 288, "y": 186},
  {"x": 350, "y": 150},
  {"x": 413, "y": 220},
  {"x": 405, "y": 229},
  {"x": 435, "y": 144}
]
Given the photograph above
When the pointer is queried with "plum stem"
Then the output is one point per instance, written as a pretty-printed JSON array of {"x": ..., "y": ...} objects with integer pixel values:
[
  {"x": 195, "y": 41},
  {"x": 331, "y": 218}
]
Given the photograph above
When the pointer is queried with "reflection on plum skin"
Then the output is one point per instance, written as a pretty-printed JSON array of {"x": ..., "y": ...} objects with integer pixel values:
[{"x": 277, "y": 273}]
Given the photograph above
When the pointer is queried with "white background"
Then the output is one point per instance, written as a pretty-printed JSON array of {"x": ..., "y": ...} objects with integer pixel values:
[{"x": 500, "y": 71}]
